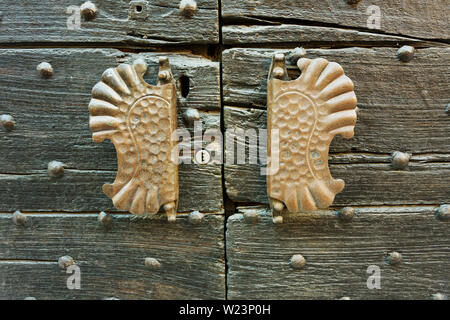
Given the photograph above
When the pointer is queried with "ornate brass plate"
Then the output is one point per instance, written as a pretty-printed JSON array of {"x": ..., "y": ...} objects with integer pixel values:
[
  {"x": 306, "y": 113},
  {"x": 139, "y": 119}
]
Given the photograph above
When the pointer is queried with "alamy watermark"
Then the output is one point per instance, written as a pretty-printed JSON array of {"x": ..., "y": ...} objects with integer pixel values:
[
  {"x": 374, "y": 280},
  {"x": 74, "y": 280}
]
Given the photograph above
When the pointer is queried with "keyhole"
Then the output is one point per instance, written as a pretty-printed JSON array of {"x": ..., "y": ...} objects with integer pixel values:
[{"x": 183, "y": 83}]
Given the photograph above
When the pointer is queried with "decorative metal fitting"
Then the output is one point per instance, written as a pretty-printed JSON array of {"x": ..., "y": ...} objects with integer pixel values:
[
  {"x": 303, "y": 117},
  {"x": 139, "y": 119}
]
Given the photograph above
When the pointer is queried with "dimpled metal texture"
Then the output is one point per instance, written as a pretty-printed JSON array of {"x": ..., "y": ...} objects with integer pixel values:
[
  {"x": 307, "y": 112},
  {"x": 139, "y": 119}
]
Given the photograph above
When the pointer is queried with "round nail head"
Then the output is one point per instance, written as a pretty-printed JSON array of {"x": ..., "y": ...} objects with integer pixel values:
[
  {"x": 7, "y": 121},
  {"x": 188, "y": 8},
  {"x": 65, "y": 262},
  {"x": 104, "y": 218},
  {"x": 45, "y": 69},
  {"x": 191, "y": 115},
  {"x": 297, "y": 261},
  {"x": 251, "y": 216},
  {"x": 19, "y": 218},
  {"x": 55, "y": 169},
  {"x": 394, "y": 258},
  {"x": 347, "y": 214},
  {"x": 400, "y": 160},
  {"x": 405, "y": 53},
  {"x": 439, "y": 296},
  {"x": 196, "y": 217},
  {"x": 88, "y": 10},
  {"x": 152, "y": 263},
  {"x": 443, "y": 212}
]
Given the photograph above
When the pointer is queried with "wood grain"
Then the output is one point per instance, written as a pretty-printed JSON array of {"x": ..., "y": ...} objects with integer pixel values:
[
  {"x": 401, "y": 105},
  {"x": 47, "y": 21},
  {"x": 112, "y": 259},
  {"x": 307, "y": 36},
  {"x": 52, "y": 123},
  {"x": 338, "y": 255},
  {"x": 423, "y": 19}
]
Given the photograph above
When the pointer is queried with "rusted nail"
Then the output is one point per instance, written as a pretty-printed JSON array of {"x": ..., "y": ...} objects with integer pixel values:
[
  {"x": 88, "y": 10},
  {"x": 55, "y": 169},
  {"x": 293, "y": 56},
  {"x": 191, "y": 115},
  {"x": 394, "y": 258},
  {"x": 405, "y": 53},
  {"x": 7, "y": 121},
  {"x": 65, "y": 262},
  {"x": 45, "y": 69},
  {"x": 443, "y": 212},
  {"x": 251, "y": 216},
  {"x": 19, "y": 218},
  {"x": 188, "y": 8},
  {"x": 152, "y": 263},
  {"x": 439, "y": 296},
  {"x": 347, "y": 214},
  {"x": 105, "y": 218},
  {"x": 196, "y": 217},
  {"x": 400, "y": 160},
  {"x": 297, "y": 261}
]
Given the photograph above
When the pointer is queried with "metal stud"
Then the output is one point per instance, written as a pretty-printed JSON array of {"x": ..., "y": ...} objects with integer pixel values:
[
  {"x": 45, "y": 69},
  {"x": 19, "y": 218},
  {"x": 188, "y": 8},
  {"x": 443, "y": 212},
  {"x": 88, "y": 10},
  {"x": 347, "y": 214},
  {"x": 196, "y": 217},
  {"x": 251, "y": 216},
  {"x": 297, "y": 261},
  {"x": 439, "y": 296},
  {"x": 7, "y": 121},
  {"x": 400, "y": 160},
  {"x": 65, "y": 262},
  {"x": 55, "y": 169},
  {"x": 394, "y": 258},
  {"x": 152, "y": 263},
  {"x": 191, "y": 115},
  {"x": 405, "y": 53},
  {"x": 104, "y": 218}
]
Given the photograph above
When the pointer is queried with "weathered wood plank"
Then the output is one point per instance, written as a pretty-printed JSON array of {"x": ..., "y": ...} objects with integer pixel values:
[
  {"x": 366, "y": 184},
  {"x": 160, "y": 22},
  {"x": 338, "y": 255},
  {"x": 300, "y": 35},
  {"x": 422, "y": 19},
  {"x": 112, "y": 259},
  {"x": 401, "y": 105},
  {"x": 81, "y": 190},
  {"x": 52, "y": 123}
]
